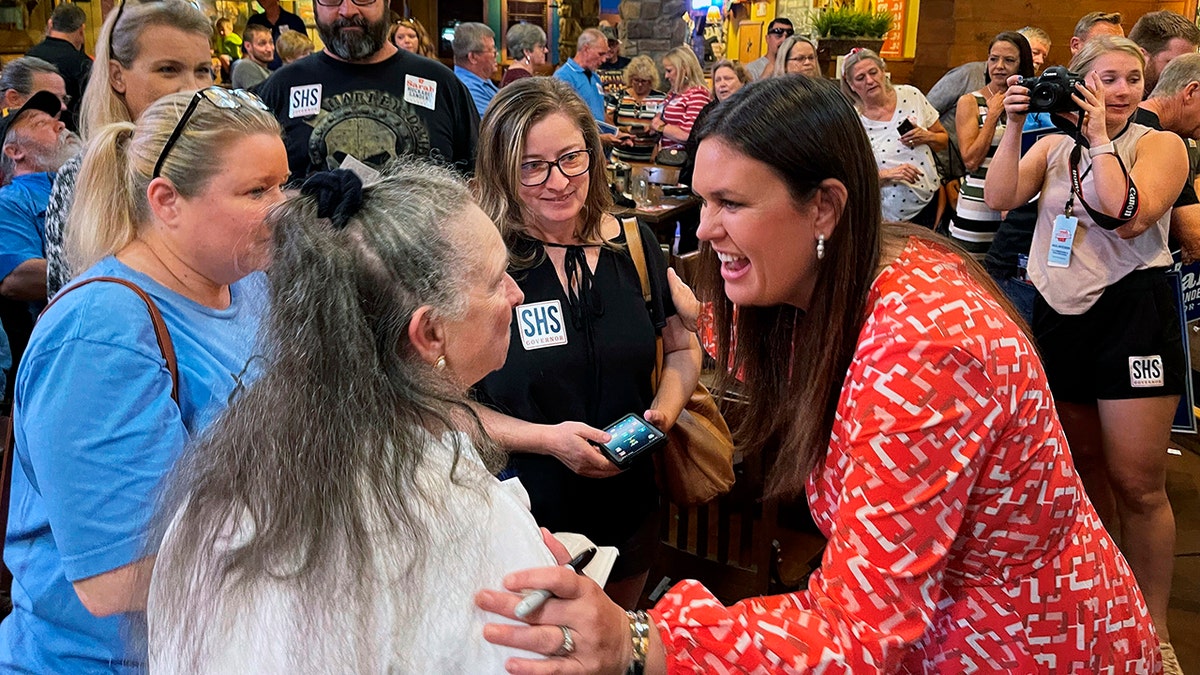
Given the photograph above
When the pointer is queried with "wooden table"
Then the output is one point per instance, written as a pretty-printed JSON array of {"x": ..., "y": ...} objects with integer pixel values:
[{"x": 663, "y": 213}]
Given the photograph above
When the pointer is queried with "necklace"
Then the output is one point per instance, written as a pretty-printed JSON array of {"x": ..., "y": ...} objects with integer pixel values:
[{"x": 988, "y": 88}]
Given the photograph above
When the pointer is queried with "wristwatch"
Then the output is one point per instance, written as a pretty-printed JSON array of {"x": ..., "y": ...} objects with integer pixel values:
[{"x": 1106, "y": 149}]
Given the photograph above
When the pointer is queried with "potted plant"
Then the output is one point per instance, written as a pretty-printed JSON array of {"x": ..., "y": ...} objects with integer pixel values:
[{"x": 842, "y": 27}]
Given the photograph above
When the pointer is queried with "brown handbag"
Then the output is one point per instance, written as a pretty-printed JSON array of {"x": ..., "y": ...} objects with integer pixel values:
[
  {"x": 696, "y": 465},
  {"x": 161, "y": 334}
]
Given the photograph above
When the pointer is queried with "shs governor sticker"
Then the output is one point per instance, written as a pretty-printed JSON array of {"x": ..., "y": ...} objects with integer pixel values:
[{"x": 541, "y": 325}]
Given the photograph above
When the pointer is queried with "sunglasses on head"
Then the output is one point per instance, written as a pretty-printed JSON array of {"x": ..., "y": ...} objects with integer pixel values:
[
  {"x": 218, "y": 96},
  {"x": 788, "y": 32}
]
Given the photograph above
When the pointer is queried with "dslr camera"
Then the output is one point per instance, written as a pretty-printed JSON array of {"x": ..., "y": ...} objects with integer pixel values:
[{"x": 1051, "y": 91}]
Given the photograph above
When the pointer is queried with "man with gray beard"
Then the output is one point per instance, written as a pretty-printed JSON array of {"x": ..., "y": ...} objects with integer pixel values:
[
  {"x": 363, "y": 101},
  {"x": 35, "y": 144}
]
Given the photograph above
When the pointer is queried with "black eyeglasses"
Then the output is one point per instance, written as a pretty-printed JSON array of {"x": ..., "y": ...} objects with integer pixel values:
[
  {"x": 221, "y": 97},
  {"x": 787, "y": 32},
  {"x": 572, "y": 164},
  {"x": 337, "y": 3}
]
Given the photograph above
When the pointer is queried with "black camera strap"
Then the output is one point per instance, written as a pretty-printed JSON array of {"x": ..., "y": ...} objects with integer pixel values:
[{"x": 1128, "y": 210}]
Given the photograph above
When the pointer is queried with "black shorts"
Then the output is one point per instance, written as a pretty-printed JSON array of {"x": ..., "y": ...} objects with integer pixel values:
[{"x": 1127, "y": 345}]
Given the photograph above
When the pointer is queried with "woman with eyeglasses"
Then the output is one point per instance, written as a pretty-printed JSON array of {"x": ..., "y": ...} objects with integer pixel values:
[
  {"x": 144, "y": 51},
  {"x": 904, "y": 131},
  {"x": 640, "y": 103},
  {"x": 411, "y": 36},
  {"x": 582, "y": 351},
  {"x": 176, "y": 207},
  {"x": 527, "y": 49},
  {"x": 798, "y": 56}
]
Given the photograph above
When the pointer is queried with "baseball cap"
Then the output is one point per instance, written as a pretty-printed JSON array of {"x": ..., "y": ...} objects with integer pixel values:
[
  {"x": 610, "y": 33},
  {"x": 44, "y": 101}
]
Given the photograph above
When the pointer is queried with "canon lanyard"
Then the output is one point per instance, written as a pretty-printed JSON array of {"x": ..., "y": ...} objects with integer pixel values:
[{"x": 1128, "y": 211}]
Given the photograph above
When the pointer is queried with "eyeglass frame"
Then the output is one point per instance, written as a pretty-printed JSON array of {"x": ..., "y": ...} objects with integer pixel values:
[
  {"x": 550, "y": 166},
  {"x": 338, "y": 3},
  {"x": 239, "y": 96},
  {"x": 786, "y": 32}
]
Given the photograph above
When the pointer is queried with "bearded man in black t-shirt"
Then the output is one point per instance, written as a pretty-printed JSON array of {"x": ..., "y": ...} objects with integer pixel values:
[{"x": 364, "y": 99}]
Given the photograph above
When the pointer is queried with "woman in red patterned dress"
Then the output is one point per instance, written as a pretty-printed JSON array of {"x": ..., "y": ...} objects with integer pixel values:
[{"x": 925, "y": 439}]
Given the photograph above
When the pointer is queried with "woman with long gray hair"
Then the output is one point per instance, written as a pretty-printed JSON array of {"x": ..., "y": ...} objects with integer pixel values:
[{"x": 340, "y": 515}]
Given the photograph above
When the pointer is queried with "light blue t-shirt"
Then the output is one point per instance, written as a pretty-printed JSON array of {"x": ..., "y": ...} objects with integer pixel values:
[
  {"x": 96, "y": 431},
  {"x": 482, "y": 91},
  {"x": 588, "y": 87}
]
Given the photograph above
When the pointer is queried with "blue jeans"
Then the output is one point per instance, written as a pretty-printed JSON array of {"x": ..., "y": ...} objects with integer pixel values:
[{"x": 1021, "y": 292}]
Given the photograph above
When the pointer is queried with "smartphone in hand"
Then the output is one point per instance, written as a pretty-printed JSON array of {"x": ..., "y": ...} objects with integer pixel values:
[
  {"x": 632, "y": 437},
  {"x": 905, "y": 126}
]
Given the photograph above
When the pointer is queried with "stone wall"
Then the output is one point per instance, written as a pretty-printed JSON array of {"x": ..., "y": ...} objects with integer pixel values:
[{"x": 652, "y": 27}]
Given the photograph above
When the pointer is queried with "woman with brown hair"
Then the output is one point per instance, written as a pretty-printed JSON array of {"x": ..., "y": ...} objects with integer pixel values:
[
  {"x": 583, "y": 347},
  {"x": 411, "y": 36},
  {"x": 906, "y": 405}
]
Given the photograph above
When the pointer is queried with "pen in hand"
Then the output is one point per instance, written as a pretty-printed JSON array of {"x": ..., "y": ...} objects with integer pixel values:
[{"x": 535, "y": 599}]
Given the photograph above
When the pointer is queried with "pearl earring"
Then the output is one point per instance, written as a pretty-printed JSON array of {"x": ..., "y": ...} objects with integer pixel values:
[
  {"x": 440, "y": 364},
  {"x": 820, "y": 246}
]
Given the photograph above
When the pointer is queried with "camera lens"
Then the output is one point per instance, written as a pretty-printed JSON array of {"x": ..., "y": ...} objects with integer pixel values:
[{"x": 1043, "y": 97}]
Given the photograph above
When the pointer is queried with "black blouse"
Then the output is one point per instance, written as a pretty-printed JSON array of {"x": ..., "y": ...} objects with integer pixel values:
[{"x": 584, "y": 356}]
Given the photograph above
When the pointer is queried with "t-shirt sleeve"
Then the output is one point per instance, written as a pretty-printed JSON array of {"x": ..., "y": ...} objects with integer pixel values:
[
  {"x": 926, "y": 113},
  {"x": 19, "y": 238},
  {"x": 98, "y": 430},
  {"x": 916, "y": 423},
  {"x": 466, "y": 133}
]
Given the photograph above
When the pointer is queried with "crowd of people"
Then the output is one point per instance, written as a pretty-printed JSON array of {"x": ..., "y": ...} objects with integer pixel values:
[{"x": 308, "y": 364}]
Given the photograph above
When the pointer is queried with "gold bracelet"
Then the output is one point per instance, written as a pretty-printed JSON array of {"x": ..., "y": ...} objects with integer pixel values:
[{"x": 639, "y": 633}]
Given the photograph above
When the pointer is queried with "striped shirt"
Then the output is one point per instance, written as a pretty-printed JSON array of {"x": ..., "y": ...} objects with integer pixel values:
[
  {"x": 681, "y": 110},
  {"x": 974, "y": 224}
]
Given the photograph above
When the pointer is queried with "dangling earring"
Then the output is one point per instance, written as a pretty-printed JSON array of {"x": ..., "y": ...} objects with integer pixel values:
[
  {"x": 820, "y": 246},
  {"x": 440, "y": 364}
]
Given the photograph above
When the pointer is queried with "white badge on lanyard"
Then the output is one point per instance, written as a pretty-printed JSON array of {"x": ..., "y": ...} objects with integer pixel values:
[
  {"x": 1062, "y": 236},
  {"x": 541, "y": 325}
]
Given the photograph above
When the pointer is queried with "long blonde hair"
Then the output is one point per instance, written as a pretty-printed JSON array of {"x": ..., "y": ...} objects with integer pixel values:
[
  {"x": 101, "y": 104},
  {"x": 110, "y": 196},
  {"x": 691, "y": 73}
]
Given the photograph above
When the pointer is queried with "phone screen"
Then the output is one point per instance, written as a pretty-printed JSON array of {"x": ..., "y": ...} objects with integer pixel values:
[
  {"x": 905, "y": 126},
  {"x": 631, "y": 436}
]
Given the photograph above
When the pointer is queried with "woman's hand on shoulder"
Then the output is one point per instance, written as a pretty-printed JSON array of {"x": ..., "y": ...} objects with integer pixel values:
[{"x": 572, "y": 444}]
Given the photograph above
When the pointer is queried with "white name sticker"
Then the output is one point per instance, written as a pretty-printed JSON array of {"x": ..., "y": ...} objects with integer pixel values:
[
  {"x": 304, "y": 101},
  {"x": 541, "y": 325},
  {"x": 1145, "y": 371},
  {"x": 420, "y": 91}
]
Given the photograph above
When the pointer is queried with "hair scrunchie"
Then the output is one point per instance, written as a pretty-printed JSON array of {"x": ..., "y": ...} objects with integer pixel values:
[{"x": 338, "y": 193}]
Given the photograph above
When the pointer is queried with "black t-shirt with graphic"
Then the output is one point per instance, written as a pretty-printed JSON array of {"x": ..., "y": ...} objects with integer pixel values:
[{"x": 407, "y": 105}]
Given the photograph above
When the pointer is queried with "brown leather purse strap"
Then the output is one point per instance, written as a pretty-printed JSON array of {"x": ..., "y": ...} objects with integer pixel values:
[
  {"x": 637, "y": 251},
  {"x": 164, "y": 344},
  {"x": 161, "y": 334}
]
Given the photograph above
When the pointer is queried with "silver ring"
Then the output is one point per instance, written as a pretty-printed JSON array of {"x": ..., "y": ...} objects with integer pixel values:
[{"x": 567, "y": 647}]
